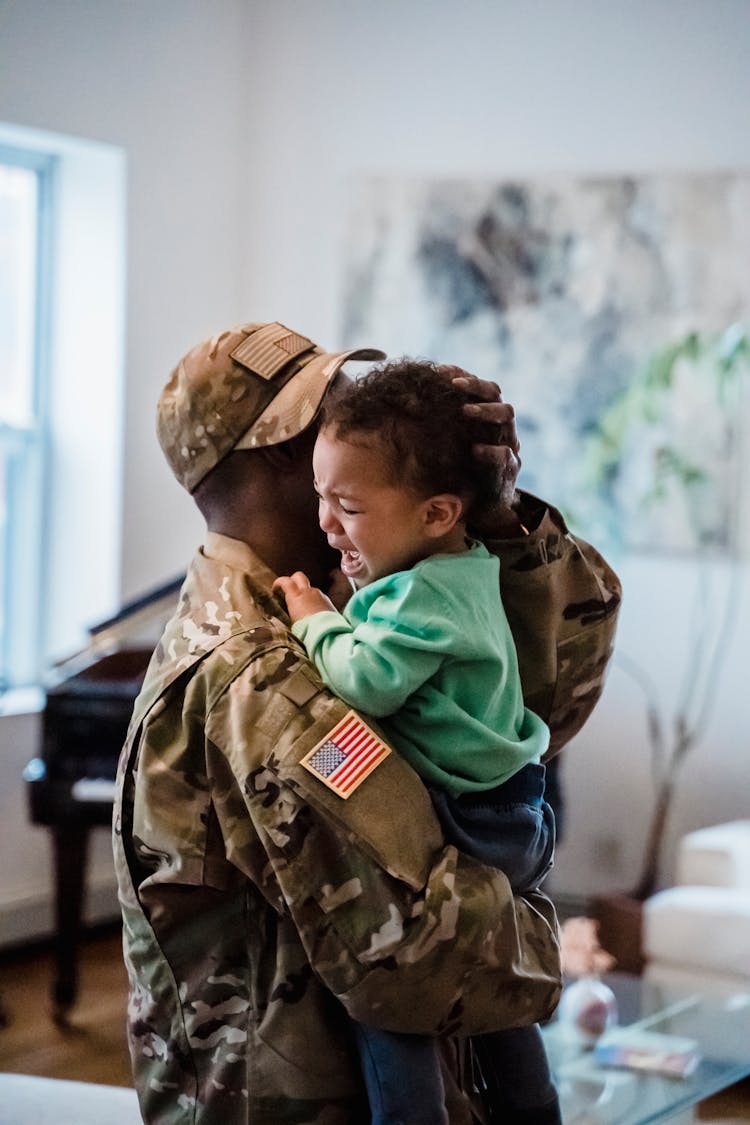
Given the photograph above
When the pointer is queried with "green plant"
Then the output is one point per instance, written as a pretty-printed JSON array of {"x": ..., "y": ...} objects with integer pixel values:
[{"x": 660, "y": 466}]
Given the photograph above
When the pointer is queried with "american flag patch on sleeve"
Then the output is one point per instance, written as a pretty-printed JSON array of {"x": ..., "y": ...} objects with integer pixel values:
[{"x": 344, "y": 758}]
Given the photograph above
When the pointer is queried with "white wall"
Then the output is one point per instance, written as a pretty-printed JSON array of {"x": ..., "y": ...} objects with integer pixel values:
[
  {"x": 486, "y": 87},
  {"x": 243, "y": 124},
  {"x": 166, "y": 83}
]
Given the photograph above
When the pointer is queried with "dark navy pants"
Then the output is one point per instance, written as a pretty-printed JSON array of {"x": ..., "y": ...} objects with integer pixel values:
[{"x": 512, "y": 828}]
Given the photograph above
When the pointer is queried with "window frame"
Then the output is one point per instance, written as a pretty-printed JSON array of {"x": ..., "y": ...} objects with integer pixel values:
[{"x": 28, "y": 457}]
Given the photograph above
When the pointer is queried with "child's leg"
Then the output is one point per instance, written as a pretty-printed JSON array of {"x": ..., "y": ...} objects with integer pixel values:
[
  {"x": 510, "y": 827},
  {"x": 402, "y": 1076},
  {"x": 520, "y": 1088}
]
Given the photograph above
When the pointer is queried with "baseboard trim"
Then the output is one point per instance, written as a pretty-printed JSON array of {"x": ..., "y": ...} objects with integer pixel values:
[{"x": 31, "y": 919}]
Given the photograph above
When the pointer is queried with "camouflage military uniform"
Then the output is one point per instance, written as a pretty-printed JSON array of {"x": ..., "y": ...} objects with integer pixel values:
[
  {"x": 562, "y": 600},
  {"x": 257, "y": 903}
]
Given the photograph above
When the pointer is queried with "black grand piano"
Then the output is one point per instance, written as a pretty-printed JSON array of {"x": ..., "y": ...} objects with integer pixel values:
[{"x": 70, "y": 785}]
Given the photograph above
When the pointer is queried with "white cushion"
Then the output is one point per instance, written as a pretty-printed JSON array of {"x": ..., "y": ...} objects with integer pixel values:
[
  {"x": 716, "y": 857},
  {"x": 676, "y": 982},
  {"x": 705, "y": 927},
  {"x": 27, "y": 1100}
]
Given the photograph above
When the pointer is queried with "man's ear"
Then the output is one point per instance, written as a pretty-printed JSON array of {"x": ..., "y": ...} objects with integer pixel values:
[
  {"x": 441, "y": 514},
  {"x": 288, "y": 456}
]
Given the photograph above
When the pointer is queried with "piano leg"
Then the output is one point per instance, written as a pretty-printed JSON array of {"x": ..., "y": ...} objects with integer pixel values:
[{"x": 70, "y": 843}]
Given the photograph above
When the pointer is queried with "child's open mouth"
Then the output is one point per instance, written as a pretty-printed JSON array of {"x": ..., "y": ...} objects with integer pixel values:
[{"x": 351, "y": 563}]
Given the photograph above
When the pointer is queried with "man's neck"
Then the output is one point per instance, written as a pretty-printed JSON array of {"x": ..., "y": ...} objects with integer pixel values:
[{"x": 282, "y": 552}]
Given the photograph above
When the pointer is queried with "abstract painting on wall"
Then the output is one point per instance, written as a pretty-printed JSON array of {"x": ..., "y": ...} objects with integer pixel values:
[{"x": 609, "y": 310}]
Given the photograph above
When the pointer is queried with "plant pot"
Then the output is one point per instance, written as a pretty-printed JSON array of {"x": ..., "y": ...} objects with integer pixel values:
[{"x": 620, "y": 930}]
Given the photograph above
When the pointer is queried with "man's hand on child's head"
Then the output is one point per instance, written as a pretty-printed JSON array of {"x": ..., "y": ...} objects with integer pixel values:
[
  {"x": 302, "y": 599},
  {"x": 496, "y": 424},
  {"x": 498, "y": 448}
]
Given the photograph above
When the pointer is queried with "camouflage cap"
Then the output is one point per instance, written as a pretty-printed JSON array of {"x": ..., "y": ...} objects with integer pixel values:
[{"x": 256, "y": 385}]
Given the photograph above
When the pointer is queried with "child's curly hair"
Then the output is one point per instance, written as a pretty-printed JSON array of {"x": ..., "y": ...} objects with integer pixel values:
[{"x": 414, "y": 411}]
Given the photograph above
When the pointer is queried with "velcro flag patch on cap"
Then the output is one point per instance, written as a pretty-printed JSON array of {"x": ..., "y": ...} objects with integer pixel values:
[
  {"x": 270, "y": 348},
  {"x": 346, "y": 756}
]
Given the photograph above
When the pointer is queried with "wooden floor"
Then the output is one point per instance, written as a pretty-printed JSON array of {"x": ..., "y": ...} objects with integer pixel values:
[{"x": 93, "y": 1049}]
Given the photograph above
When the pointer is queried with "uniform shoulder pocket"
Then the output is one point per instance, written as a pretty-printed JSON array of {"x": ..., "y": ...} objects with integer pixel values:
[
  {"x": 562, "y": 601},
  {"x": 388, "y": 814}
]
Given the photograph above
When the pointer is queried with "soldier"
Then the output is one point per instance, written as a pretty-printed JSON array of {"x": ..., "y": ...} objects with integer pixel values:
[{"x": 273, "y": 874}]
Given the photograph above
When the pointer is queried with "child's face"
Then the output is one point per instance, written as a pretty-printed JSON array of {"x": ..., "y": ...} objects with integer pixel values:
[{"x": 378, "y": 527}]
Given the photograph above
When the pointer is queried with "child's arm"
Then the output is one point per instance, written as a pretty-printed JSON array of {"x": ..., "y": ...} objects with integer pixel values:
[
  {"x": 377, "y": 664},
  {"x": 302, "y": 599}
]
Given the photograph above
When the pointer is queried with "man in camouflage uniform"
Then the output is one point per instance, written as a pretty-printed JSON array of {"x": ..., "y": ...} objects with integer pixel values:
[{"x": 259, "y": 899}]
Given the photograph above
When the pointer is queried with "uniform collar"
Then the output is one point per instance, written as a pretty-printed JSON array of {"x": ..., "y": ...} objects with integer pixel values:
[{"x": 240, "y": 556}]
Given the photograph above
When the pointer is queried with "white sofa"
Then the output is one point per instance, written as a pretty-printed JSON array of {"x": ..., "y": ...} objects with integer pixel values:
[
  {"x": 697, "y": 933},
  {"x": 28, "y": 1100}
]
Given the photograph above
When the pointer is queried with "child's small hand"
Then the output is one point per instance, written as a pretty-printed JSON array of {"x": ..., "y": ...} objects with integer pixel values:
[{"x": 302, "y": 599}]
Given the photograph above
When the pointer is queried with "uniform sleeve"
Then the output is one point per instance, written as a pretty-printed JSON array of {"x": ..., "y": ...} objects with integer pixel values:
[
  {"x": 377, "y": 664},
  {"x": 408, "y": 933},
  {"x": 562, "y": 601}
]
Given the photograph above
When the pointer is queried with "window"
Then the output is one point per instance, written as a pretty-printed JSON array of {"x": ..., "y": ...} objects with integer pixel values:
[
  {"x": 62, "y": 333},
  {"x": 25, "y": 192}
]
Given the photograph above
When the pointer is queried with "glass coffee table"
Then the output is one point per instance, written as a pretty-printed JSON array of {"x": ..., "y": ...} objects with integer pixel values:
[{"x": 594, "y": 1094}]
